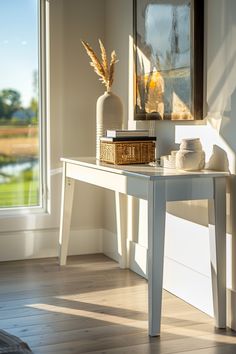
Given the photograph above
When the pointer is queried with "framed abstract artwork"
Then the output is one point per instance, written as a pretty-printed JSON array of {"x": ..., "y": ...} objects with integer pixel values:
[{"x": 168, "y": 59}]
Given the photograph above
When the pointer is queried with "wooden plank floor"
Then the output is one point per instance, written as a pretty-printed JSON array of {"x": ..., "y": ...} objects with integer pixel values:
[{"x": 92, "y": 306}]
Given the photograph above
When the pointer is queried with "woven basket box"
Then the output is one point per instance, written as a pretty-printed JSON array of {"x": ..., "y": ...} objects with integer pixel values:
[{"x": 127, "y": 152}]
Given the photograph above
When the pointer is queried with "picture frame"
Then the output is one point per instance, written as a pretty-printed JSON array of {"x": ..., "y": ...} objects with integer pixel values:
[{"x": 168, "y": 59}]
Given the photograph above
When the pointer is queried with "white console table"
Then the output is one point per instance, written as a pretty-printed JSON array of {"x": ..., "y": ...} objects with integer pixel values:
[{"x": 157, "y": 186}]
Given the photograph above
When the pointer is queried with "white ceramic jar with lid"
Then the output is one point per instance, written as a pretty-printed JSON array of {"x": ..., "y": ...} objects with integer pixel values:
[{"x": 190, "y": 156}]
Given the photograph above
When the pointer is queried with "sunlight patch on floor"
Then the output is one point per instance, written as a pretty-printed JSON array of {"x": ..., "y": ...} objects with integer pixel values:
[
  {"x": 89, "y": 314},
  {"x": 131, "y": 294}
]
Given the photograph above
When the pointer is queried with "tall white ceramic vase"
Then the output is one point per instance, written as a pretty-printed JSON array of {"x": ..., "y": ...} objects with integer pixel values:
[{"x": 109, "y": 115}]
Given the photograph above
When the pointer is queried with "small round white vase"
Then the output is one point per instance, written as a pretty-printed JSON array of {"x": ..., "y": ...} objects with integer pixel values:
[
  {"x": 191, "y": 144},
  {"x": 190, "y": 157},
  {"x": 109, "y": 115}
]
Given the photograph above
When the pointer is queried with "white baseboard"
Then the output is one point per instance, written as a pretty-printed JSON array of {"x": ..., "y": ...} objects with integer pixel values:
[
  {"x": 138, "y": 259},
  {"x": 44, "y": 243},
  {"x": 191, "y": 286},
  {"x": 231, "y": 302},
  {"x": 110, "y": 245}
]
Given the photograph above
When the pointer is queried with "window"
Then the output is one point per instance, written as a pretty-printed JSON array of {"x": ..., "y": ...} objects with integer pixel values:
[{"x": 22, "y": 112}]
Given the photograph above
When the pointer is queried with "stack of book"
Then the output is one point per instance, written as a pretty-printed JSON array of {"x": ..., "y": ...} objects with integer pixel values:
[
  {"x": 127, "y": 147},
  {"x": 127, "y": 135}
]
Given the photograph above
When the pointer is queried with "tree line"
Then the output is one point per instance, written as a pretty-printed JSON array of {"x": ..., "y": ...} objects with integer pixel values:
[{"x": 12, "y": 110}]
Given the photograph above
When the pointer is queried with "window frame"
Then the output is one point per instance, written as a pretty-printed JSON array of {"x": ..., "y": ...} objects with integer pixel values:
[{"x": 43, "y": 104}]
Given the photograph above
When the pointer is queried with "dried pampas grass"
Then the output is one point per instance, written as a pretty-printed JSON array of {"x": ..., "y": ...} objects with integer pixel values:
[{"x": 102, "y": 68}]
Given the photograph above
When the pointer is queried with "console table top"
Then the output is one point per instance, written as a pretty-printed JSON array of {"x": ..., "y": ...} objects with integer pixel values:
[{"x": 142, "y": 170}]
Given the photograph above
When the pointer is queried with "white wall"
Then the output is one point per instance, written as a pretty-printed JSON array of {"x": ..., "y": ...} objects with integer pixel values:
[
  {"x": 81, "y": 88},
  {"x": 187, "y": 271},
  {"x": 118, "y": 25},
  {"x": 74, "y": 89}
]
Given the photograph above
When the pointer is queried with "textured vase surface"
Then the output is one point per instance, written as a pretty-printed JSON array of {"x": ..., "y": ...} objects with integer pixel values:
[
  {"x": 190, "y": 157},
  {"x": 109, "y": 115}
]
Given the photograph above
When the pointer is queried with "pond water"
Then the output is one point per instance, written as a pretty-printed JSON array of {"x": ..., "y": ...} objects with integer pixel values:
[{"x": 15, "y": 169}]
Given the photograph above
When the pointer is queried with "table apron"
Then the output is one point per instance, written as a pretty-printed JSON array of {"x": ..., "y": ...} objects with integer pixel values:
[
  {"x": 134, "y": 186},
  {"x": 183, "y": 188},
  {"x": 190, "y": 188}
]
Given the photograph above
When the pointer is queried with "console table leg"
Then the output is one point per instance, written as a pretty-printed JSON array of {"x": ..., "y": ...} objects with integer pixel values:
[
  {"x": 121, "y": 216},
  {"x": 156, "y": 240},
  {"x": 217, "y": 234},
  {"x": 66, "y": 209}
]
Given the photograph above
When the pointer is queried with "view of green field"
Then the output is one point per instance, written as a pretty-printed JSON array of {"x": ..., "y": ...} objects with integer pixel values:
[
  {"x": 19, "y": 175},
  {"x": 21, "y": 191}
]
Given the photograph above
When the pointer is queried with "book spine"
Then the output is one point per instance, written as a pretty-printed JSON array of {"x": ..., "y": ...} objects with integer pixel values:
[
  {"x": 128, "y": 138},
  {"x": 126, "y": 133}
]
